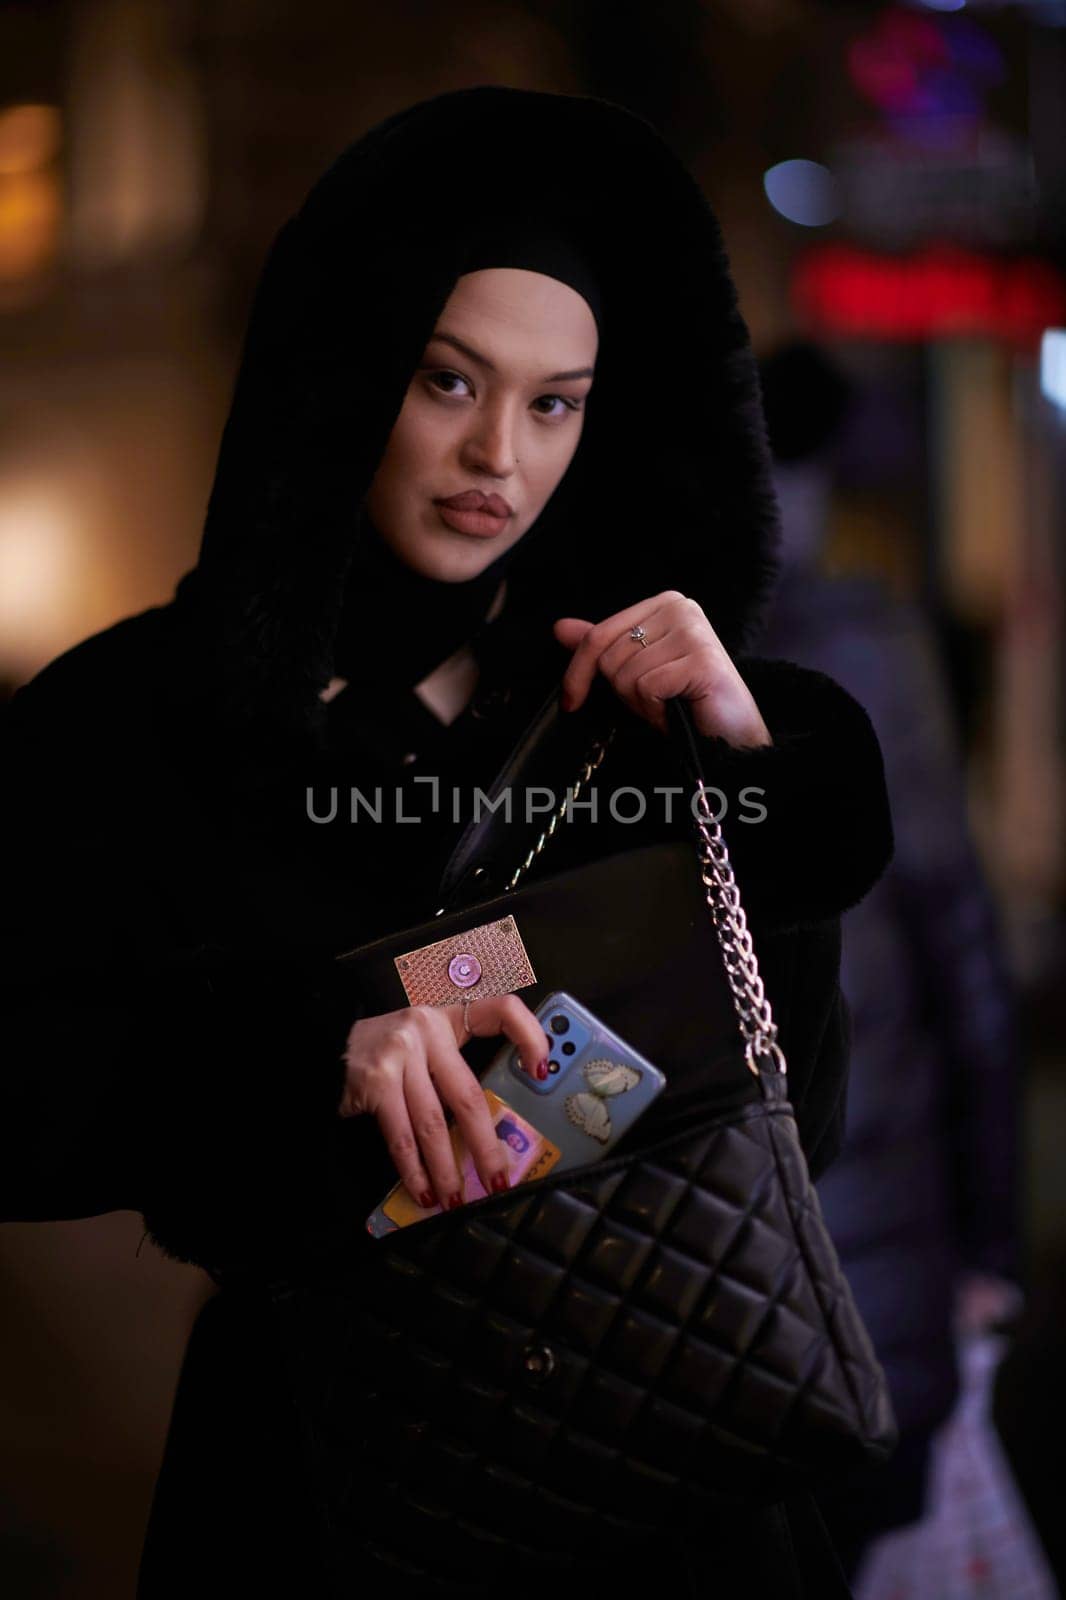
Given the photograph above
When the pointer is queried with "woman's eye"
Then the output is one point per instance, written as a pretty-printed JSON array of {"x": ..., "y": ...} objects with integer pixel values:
[
  {"x": 454, "y": 377},
  {"x": 567, "y": 405},
  {"x": 445, "y": 381}
]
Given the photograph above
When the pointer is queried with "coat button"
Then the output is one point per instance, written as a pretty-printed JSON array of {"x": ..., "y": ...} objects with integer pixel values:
[
  {"x": 538, "y": 1362},
  {"x": 492, "y": 701}
]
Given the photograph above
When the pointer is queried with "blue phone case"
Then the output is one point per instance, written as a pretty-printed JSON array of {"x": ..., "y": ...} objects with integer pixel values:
[{"x": 597, "y": 1085}]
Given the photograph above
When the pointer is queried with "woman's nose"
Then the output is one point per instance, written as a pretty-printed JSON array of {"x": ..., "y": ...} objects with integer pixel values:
[{"x": 491, "y": 445}]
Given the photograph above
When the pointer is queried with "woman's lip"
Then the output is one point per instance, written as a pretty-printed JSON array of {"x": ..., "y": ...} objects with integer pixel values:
[
  {"x": 475, "y": 500},
  {"x": 480, "y": 523}
]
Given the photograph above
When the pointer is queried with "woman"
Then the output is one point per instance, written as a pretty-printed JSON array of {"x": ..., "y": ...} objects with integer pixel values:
[{"x": 495, "y": 293}]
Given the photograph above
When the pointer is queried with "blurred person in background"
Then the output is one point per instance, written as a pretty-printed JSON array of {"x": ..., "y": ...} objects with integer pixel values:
[{"x": 923, "y": 1200}]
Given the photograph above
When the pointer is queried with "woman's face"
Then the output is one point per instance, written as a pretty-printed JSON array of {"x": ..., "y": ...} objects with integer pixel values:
[{"x": 496, "y": 407}]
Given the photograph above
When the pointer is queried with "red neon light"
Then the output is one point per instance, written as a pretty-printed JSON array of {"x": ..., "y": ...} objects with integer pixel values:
[{"x": 935, "y": 293}]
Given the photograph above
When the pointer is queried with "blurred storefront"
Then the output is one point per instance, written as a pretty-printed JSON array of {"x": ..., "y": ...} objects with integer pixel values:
[{"x": 941, "y": 277}]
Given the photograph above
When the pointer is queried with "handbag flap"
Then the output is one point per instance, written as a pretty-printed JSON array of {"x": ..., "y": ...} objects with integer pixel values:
[
  {"x": 630, "y": 936},
  {"x": 551, "y": 748}
]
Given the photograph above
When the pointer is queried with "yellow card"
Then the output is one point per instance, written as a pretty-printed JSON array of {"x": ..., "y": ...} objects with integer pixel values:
[{"x": 529, "y": 1155}]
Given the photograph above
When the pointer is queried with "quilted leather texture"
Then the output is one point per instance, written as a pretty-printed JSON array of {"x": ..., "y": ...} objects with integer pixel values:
[{"x": 589, "y": 1360}]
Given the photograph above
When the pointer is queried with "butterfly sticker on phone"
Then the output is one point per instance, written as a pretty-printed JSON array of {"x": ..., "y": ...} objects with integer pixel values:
[{"x": 589, "y": 1109}]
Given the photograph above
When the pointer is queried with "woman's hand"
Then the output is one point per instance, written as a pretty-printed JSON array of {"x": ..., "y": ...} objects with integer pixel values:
[
  {"x": 683, "y": 656},
  {"x": 404, "y": 1067}
]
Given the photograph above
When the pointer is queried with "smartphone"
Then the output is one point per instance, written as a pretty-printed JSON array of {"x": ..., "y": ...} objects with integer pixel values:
[
  {"x": 597, "y": 1084},
  {"x": 596, "y": 1088}
]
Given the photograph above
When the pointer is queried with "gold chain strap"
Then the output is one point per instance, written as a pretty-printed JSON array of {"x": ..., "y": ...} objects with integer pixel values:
[{"x": 599, "y": 750}]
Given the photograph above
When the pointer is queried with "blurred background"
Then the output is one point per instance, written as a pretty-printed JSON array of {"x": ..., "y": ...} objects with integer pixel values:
[{"x": 891, "y": 182}]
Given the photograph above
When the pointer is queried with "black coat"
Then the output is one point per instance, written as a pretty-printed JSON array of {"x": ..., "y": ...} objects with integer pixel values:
[{"x": 175, "y": 1016}]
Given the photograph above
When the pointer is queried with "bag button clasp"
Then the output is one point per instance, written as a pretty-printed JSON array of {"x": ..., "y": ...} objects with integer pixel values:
[
  {"x": 464, "y": 970},
  {"x": 539, "y": 1362}
]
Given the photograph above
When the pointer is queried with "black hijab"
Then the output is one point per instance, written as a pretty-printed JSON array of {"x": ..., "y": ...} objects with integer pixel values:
[{"x": 671, "y": 484}]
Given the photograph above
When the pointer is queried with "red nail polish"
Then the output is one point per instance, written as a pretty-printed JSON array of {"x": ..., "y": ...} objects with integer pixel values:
[
  {"x": 542, "y": 1068},
  {"x": 455, "y": 1200},
  {"x": 500, "y": 1183},
  {"x": 427, "y": 1200}
]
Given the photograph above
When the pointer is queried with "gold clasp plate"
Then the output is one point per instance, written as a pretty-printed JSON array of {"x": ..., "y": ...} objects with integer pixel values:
[{"x": 482, "y": 961}]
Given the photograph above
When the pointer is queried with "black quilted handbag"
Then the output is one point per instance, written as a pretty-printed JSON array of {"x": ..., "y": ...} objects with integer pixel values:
[{"x": 614, "y": 1353}]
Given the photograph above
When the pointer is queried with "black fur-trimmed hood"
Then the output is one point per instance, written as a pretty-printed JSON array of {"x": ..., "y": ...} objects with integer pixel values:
[{"x": 673, "y": 454}]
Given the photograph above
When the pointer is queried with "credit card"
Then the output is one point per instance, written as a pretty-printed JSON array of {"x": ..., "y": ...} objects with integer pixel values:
[{"x": 529, "y": 1156}]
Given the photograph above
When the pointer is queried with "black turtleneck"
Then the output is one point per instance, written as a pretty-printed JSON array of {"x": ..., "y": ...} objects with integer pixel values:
[{"x": 397, "y": 624}]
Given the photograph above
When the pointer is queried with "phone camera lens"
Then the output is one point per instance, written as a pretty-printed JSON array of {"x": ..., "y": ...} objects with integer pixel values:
[
  {"x": 569, "y": 1047},
  {"x": 560, "y": 1024}
]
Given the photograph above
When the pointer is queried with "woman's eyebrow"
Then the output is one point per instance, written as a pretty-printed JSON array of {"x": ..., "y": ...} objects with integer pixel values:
[{"x": 475, "y": 355}]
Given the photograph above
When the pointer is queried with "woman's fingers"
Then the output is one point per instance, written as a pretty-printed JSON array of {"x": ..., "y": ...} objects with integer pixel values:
[
  {"x": 436, "y": 1174},
  {"x": 459, "y": 1089},
  {"x": 680, "y": 655},
  {"x": 507, "y": 1014},
  {"x": 589, "y": 642},
  {"x": 405, "y": 1067},
  {"x": 448, "y": 1081},
  {"x": 412, "y": 1116},
  {"x": 394, "y": 1114}
]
